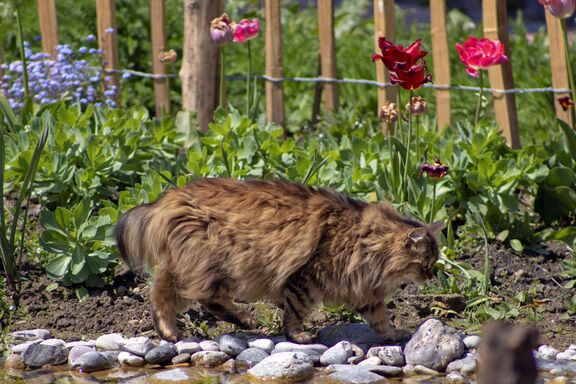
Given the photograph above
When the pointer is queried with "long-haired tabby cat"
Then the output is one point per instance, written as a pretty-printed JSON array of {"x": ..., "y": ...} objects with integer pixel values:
[{"x": 219, "y": 240}]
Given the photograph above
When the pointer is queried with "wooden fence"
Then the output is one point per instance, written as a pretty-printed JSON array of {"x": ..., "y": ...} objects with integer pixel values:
[{"x": 495, "y": 21}]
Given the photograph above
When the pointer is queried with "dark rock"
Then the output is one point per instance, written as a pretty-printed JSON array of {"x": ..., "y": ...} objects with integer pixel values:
[
  {"x": 162, "y": 354},
  {"x": 37, "y": 355}
]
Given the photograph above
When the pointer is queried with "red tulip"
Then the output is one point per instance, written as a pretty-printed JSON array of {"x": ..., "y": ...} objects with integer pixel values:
[
  {"x": 566, "y": 102},
  {"x": 412, "y": 78},
  {"x": 246, "y": 30},
  {"x": 437, "y": 170},
  {"x": 481, "y": 54},
  {"x": 559, "y": 8},
  {"x": 395, "y": 57}
]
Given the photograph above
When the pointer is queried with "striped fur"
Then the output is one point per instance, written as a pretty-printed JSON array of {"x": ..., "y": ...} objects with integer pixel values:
[{"x": 217, "y": 240}]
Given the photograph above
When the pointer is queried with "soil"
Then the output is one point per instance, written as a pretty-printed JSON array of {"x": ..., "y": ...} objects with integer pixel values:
[{"x": 123, "y": 306}]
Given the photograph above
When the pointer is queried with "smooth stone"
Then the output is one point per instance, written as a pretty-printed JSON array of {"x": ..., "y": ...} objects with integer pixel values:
[
  {"x": 14, "y": 361},
  {"x": 387, "y": 370},
  {"x": 547, "y": 352},
  {"x": 54, "y": 342},
  {"x": 266, "y": 345},
  {"x": 458, "y": 364},
  {"x": 357, "y": 377},
  {"x": 383, "y": 370},
  {"x": 209, "y": 345},
  {"x": 566, "y": 355},
  {"x": 228, "y": 366},
  {"x": 112, "y": 356},
  {"x": 252, "y": 356},
  {"x": 137, "y": 340},
  {"x": 73, "y": 344},
  {"x": 408, "y": 370},
  {"x": 139, "y": 348},
  {"x": 76, "y": 352},
  {"x": 312, "y": 354},
  {"x": 38, "y": 355},
  {"x": 162, "y": 354},
  {"x": 372, "y": 360},
  {"x": 182, "y": 358},
  {"x": 20, "y": 348},
  {"x": 338, "y": 354},
  {"x": 171, "y": 375},
  {"x": 209, "y": 359},
  {"x": 127, "y": 359},
  {"x": 392, "y": 355},
  {"x": 284, "y": 365},
  {"x": 456, "y": 378},
  {"x": 358, "y": 354},
  {"x": 422, "y": 370},
  {"x": 232, "y": 345},
  {"x": 29, "y": 335},
  {"x": 434, "y": 345},
  {"x": 472, "y": 341},
  {"x": 110, "y": 342},
  {"x": 92, "y": 361},
  {"x": 287, "y": 346},
  {"x": 189, "y": 347},
  {"x": 354, "y": 333}
]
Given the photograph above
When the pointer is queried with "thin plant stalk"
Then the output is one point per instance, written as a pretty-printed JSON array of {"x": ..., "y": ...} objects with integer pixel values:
[
  {"x": 408, "y": 147},
  {"x": 433, "y": 208},
  {"x": 222, "y": 72},
  {"x": 248, "y": 76},
  {"x": 568, "y": 62},
  {"x": 486, "y": 254},
  {"x": 480, "y": 95}
]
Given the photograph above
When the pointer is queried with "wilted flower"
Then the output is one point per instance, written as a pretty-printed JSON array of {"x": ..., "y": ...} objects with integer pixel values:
[
  {"x": 246, "y": 30},
  {"x": 437, "y": 170},
  {"x": 222, "y": 29},
  {"x": 480, "y": 54},
  {"x": 559, "y": 8},
  {"x": 412, "y": 78},
  {"x": 168, "y": 56},
  {"x": 388, "y": 112},
  {"x": 417, "y": 105},
  {"x": 566, "y": 102}
]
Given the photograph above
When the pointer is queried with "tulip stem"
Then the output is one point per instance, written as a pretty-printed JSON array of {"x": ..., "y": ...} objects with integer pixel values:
[
  {"x": 222, "y": 72},
  {"x": 248, "y": 75},
  {"x": 568, "y": 64},
  {"x": 408, "y": 147},
  {"x": 432, "y": 209},
  {"x": 480, "y": 95}
]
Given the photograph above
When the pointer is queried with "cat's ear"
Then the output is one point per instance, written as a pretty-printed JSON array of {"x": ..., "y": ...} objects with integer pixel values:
[
  {"x": 416, "y": 237},
  {"x": 437, "y": 226}
]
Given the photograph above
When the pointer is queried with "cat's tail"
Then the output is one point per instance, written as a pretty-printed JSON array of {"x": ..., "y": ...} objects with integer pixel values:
[{"x": 132, "y": 240}]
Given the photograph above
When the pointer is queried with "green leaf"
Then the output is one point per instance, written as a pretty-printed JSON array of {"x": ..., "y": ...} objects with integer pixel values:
[
  {"x": 502, "y": 236},
  {"x": 82, "y": 212},
  {"x": 82, "y": 294},
  {"x": 58, "y": 266},
  {"x": 97, "y": 262},
  {"x": 52, "y": 287},
  {"x": 7, "y": 112},
  {"x": 54, "y": 241},
  {"x": 517, "y": 245},
  {"x": 570, "y": 137}
]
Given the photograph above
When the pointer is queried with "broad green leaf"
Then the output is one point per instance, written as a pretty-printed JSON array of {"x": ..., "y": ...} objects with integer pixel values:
[
  {"x": 82, "y": 294},
  {"x": 517, "y": 245},
  {"x": 58, "y": 266}
]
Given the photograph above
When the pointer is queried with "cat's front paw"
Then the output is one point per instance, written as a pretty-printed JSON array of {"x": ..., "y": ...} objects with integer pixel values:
[
  {"x": 301, "y": 337},
  {"x": 397, "y": 334}
]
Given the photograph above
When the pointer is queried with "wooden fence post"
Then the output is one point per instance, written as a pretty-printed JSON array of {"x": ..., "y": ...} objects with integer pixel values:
[
  {"x": 441, "y": 59},
  {"x": 327, "y": 53},
  {"x": 48, "y": 26},
  {"x": 495, "y": 19},
  {"x": 199, "y": 69},
  {"x": 158, "y": 30},
  {"x": 384, "y": 27},
  {"x": 560, "y": 79},
  {"x": 274, "y": 91},
  {"x": 108, "y": 40}
]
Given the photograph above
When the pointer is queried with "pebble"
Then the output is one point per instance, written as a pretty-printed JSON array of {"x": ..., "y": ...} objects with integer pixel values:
[
  {"x": 92, "y": 361},
  {"x": 284, "y": 365},
  {"x": 372, "y": 360},
  {"x": 456, "y": 378},
  {"x": 547, "y": 352},
  {"x": 37, "y": 355},
  {"x": 357, "y": 377},
  {"x": 408, "y": 370},
  {"x": 138, "y": 347},
  {"x": 471, "y": 341},
  {"x": 189, "y": 347},
  {"x": 252, "y": 356},
  {"x": 72, "y": 344},
  {"x": 387, "y": 370},
  {"x": 287, "y": 346},
  {"x": 422, "y": 370},
  {"x": 170, "y": 375},
  {"x": 14, "y": 361},
  {"x": 209, "y": 345},
  {"x": 338, "y": 354},
  {"x": 162, "y": 354},
  {"x": 76, "y": 352},
  {"x": 32, "y": 334},
  {"x": 356, "y": 333},
  {"x": 232, "y": 345},
  {"x": 459, "y": 364},
  {"x": 566, "y": 355},
  {"x": 182, "y": 358},
  {"x": 54, "y": 342},
  {"x": 20, "y": 348},
  {"x": 392, "y": 355},
  {"x": 357, "y": 354},
  {"x": 228, "y": 366},
  {"x": 127, "y": 359},
  {"x": 110, "y": 342},
  {"x": 266, "y": 345},
  {"x": 209, "y": 359}
]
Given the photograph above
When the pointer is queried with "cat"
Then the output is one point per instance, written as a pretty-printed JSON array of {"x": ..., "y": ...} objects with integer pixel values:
[{"x": 219, "y": 240}]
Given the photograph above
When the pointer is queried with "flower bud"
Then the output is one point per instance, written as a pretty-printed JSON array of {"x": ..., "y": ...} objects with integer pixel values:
[
  {"x": 168, "y": 56},
  {"x": 222, "y": 29},
  {"x": 388, "y": 112},
  {"x": 417, "y": 106}
]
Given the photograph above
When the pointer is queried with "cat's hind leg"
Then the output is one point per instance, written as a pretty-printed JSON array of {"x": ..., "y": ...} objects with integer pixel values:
[
  {"x": 165, "y": 303},
  {"x": 378, "y": 318},
  {"x": 299, "y": 300},
  {"x": 225, "y": 309}
]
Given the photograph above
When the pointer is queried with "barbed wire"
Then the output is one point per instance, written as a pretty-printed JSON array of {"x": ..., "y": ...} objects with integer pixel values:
[{"x": 321, "y": 79}]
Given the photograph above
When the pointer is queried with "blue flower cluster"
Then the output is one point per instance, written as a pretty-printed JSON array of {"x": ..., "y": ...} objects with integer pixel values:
[{"x": 72, "y": 75}]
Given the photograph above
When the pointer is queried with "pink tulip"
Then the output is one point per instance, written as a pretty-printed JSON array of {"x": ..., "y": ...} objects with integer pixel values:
[
  {"x": 222, "y": 29},
  {"x": 559, "y": 8},
  {"x": 246, "y": 30},
  {"x": 480, "y": 54}
]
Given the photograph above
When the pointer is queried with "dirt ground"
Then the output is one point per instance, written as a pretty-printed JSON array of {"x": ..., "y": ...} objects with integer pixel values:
[{"x": 124, "y": 305}]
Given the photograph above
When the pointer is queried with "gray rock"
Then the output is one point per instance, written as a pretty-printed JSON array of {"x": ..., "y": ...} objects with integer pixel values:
[
  {"x": 434, "y": 346},
  {"x": 182, "y": 358},
  {"x": 251, "y": 356},
  {"x": 456, "y": 378},
  {"x": 232, "y": 345},
  {"x": 110, "y": 342},
  {"x": 387, "y": 370},
  {"x": 338, "y": 354},
  {"x": 566, "y": 355},
  {"x": 266, "y": 345},
  {"x": 72, "y": 344},
  {"x": 162, "y": 354},
  {"x": 547, "y": 352},
  {"x": 54, "y": 342},
  {"x": 354, "y": 333},
  {"x": 357, "y": 377},
  {"x": 472, "y": 341},
  {"x": 457, "y": 365},
  {"x": 408, "y": 370},
  {"x": 190, "y": 347},
  {"x": 312, "y": 354},
  {"x": 372, "y": 360},
  {"x": 138, "y": 347},
  {"x": 382, "y": 370},
  {"x": 209, "y": 359},
  {"x": 209, "y": 345},
  {"x": 357, "y": 354},
  {"x": 92, "y": 361},
  {"x": 20, "y": 348},
  {"x": 127, "y": 359},
  {"x": 287, "y": 346},
  {"x": 76, "y": 352},
  {"x": 392, "y": 355},
  {"x": 422, "y": 370},
  {"x": 284, "y": 365},
  {"x": 37, "y": 355},
  {"x": 29, "y": 335},
  {"x": 171, "y": 375}
]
